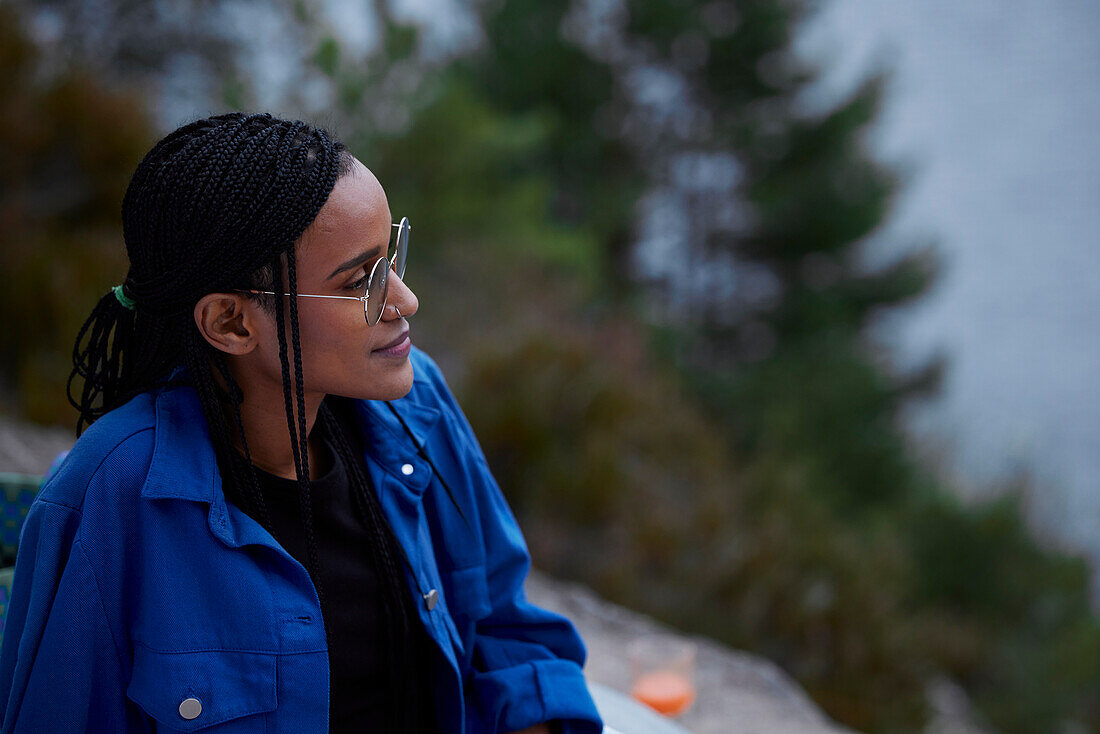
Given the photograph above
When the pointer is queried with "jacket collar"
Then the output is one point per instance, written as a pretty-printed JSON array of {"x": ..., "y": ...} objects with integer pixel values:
[
  {"x": 385, "y": 438},
  {"x": 183, "y": 465}
]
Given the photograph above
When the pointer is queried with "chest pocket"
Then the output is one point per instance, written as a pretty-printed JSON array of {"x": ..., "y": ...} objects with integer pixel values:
[
  {"x": 467, "y": 593},
  {"x": 467, "y": 596},
  {"x": 218, "y": 691}
]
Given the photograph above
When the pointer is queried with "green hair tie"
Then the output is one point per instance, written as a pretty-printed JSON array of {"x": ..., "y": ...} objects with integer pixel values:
[{"x": 125, "y": 300}]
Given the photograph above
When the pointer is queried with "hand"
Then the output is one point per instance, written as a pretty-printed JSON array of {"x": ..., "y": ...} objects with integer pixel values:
[{"x": 537, "y": 729}]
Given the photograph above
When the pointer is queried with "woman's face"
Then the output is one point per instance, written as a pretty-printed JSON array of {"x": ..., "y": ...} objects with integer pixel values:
[{"x": 341, "y": 355}]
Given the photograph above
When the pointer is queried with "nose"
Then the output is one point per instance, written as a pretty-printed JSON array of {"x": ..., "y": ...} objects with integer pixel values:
[{"x": 400, "y": 295}]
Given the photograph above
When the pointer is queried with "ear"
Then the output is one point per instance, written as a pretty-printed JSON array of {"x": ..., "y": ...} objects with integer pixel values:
[{"x": 227, "y": 322}]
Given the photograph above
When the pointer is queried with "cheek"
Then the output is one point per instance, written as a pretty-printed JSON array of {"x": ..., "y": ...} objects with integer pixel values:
[
  {"x": 326, "y": 339},
  {"x": 340, "y": 337},
  {"x": 336, "y": 349},
  {"x": 338, "y": 346}
]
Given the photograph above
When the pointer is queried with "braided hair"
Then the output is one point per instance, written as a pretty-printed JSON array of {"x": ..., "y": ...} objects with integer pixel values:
[{"x": 216, "y": 206}]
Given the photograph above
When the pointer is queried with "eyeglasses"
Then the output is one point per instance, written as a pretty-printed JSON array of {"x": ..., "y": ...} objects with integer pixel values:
[{"x": 374, "y": 302}]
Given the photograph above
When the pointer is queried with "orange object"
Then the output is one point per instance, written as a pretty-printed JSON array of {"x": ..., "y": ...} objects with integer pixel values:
[{"x": 664, "y": 691}]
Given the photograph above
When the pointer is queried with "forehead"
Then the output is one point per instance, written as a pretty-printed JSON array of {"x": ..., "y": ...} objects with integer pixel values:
[{"x": 355, "y": 218}]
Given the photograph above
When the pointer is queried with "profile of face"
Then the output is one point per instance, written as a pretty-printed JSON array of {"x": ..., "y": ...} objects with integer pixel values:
[{"x": 341, "y": 354}]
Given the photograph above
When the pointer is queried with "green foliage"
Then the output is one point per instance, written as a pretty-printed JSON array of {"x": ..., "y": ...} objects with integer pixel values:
[
  {"x": 822, "y": 402},
  {"x": 595, "y": 440},
  {"x": 458, "y": 171},
  {"x": 69, "y": 146},
  {"x": 327, "y": 56},
  {"x": 527, "y": 67},
  {"x": 1039, "y": 635},
  {"x": 399, "y": 42}
]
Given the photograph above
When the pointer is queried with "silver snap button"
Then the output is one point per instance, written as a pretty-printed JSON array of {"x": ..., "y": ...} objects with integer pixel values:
[
  {"x": 190, "y": 708},
  {"x": 431, "y": 598},
  {"x": 406, "y": 469}
]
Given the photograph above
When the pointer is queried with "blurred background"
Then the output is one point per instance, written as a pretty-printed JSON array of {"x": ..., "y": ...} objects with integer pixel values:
[{"x": 776, "y": 319}]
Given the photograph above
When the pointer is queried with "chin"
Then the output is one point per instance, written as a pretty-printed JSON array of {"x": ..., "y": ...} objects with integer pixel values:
[
  {"x": 402, "y": 391},
  {"x": 394, "y": 387}
]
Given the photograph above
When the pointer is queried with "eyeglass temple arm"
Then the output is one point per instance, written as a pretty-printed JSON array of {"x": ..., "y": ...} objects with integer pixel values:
[{"x": 306, "y": 295}]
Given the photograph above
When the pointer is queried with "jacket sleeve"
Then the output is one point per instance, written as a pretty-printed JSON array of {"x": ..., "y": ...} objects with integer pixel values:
[
  {"x": 527, "y": 660},
  {"x": 60, "y": 669}
]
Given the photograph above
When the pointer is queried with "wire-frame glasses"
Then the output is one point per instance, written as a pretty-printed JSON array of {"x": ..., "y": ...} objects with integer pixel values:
[{"x": 374, "y": 302}]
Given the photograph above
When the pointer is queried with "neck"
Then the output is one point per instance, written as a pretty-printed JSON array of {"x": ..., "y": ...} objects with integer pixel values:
[{"x": 265, "y": 426}]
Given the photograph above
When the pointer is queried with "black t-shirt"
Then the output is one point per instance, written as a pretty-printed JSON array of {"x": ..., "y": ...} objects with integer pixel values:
[{"x": 352, "y": 605}]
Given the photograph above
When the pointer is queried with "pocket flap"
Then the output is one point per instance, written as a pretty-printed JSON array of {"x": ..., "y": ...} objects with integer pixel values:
[{"x": 226, "y": 684}]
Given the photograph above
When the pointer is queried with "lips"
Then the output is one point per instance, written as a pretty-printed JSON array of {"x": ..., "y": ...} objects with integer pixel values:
[{"x": 395, "y": 342}]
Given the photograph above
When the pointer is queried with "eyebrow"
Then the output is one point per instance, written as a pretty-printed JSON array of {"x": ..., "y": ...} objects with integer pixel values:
[{"x": 374, "y": 252}]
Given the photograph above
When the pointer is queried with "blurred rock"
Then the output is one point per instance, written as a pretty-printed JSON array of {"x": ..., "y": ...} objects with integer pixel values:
[
  {"x": 738, "y": 693},
  {"x": 28, "y": 449},
  {"x": 951, "y": 710}
]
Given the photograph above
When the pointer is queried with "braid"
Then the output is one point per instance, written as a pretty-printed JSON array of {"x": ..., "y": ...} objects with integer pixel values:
[
  {"x": 298, "y": 442},
  {"x": 284, "y": 368},
  {"x": 236, "y": 397},
  {"x": 108, "y": 327},
  {"x": 199, "y": 358},
  {"x": 300, "y": 437}
]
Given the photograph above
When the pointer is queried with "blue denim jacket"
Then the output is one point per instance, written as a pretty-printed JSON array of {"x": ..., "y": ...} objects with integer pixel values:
[{"x": 138, "y": 586}]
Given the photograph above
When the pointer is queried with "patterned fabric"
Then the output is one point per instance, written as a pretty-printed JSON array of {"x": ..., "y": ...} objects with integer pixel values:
[{"x": 19, "y": 492}]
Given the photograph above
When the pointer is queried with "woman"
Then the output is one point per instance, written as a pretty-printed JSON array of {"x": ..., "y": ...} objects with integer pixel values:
[{"x": 279, "y": 520}]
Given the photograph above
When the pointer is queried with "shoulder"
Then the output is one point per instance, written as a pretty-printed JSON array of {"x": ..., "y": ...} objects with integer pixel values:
[{"x": 118, "y": 446}]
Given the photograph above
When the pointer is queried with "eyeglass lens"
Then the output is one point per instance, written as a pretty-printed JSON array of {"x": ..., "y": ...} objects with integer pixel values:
[
  {"x": 379, "y": 277},
  {"x": 401, "y": 248}
]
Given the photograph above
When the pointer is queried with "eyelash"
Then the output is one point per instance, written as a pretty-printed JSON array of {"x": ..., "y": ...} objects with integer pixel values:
[{"x": 359, "y": 284}]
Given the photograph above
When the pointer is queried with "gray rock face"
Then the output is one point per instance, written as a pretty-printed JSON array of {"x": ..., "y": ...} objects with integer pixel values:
[
  {"x": 738, "y": 693},
  {"x": 29, "y": 449}
]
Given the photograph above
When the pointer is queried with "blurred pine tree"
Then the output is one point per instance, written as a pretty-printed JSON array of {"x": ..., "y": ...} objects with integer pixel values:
[
  {"x": 793, "y": 370},
  {"x": 528, "y": 66}
]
